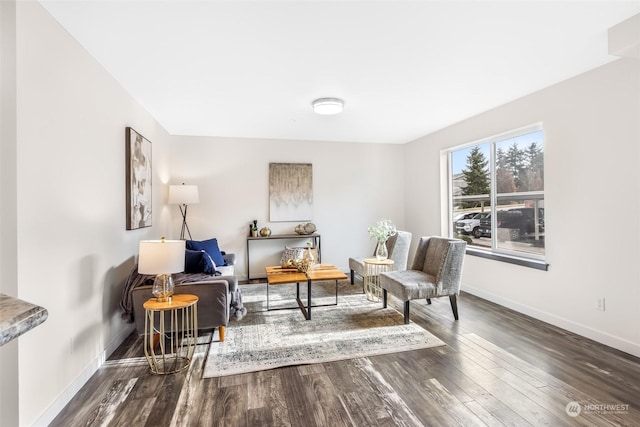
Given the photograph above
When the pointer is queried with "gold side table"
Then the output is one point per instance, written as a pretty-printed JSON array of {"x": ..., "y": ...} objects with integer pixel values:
[
  {"x": 371, "y": 277},
  {"x": 175, "y": 335}
]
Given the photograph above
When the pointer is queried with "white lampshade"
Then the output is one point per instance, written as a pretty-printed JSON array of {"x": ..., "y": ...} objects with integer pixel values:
[
  {"x": 183, "y": 195},
  {"x": 161, "y": 256},
  {"x": 328, "y": 106}
]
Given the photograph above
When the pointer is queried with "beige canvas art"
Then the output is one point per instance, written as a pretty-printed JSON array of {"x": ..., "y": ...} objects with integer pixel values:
[{"x": 290, "y": 192}]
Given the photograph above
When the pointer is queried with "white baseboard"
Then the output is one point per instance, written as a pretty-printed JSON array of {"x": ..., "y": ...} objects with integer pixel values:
[
  {"x": 56, "y": 407},
  {"x": 577, "y": 328}
]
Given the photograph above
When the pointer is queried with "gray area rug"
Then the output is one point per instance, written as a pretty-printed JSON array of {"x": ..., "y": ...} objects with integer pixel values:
[{"x": 354, "y": 328}]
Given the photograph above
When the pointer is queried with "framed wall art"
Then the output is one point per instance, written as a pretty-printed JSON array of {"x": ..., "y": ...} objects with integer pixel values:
[
  {"x": 138, "y": 180},
  {"x": 290, "y": 192}
]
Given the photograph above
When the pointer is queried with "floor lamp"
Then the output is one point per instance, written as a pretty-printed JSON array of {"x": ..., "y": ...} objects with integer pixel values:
[{"x": 183, "y": 196}]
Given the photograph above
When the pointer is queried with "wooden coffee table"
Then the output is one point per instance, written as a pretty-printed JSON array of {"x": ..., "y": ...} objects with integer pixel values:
[{"x": 276, "y": 275}]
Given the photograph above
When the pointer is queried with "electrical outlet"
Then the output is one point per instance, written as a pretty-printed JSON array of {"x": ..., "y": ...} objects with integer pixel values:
[{"x": 600, "y": 304}]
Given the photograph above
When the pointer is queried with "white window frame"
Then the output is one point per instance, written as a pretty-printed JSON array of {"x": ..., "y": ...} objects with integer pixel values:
[{"x": 496, "y": 253}]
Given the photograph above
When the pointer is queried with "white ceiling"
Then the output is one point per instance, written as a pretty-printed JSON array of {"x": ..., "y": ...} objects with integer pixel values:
[{"x": 405, "y": 69}]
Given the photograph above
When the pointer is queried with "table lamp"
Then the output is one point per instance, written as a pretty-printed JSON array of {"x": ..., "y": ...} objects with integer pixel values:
[
  {"x": 183, "y": 195},
  {"x": 162, "y": 258}
]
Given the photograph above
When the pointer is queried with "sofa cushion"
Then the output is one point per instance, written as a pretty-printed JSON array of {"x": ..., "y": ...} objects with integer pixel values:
[
  {"x": 198, "y": 262},
  {"x": 434, "y": 259},
  {"x": 226, "y": 270},
  {"x": 409, "y": 284},
  {"x": 210, "y": 246},
  {"x": 357, "y": 265}
]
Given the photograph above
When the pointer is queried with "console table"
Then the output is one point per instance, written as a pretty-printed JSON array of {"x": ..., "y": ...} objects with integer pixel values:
[{"x": 293, "y": 236}]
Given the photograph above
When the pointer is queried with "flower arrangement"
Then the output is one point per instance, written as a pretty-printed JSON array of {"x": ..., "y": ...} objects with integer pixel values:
[{"x": 382, "y": 230}]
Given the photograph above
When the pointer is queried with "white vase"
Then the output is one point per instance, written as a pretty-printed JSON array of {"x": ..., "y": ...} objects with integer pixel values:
[{"x": 381, "y": 251}]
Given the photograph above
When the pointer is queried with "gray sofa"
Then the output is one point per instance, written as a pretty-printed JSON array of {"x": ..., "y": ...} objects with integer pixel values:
[{"x": 220, "y": 298}]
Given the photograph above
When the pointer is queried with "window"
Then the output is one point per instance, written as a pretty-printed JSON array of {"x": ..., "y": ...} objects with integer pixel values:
[{"x": 497, "y": 194}]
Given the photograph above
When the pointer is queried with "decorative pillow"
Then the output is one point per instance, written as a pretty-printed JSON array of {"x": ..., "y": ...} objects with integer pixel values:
[
  {"x": 295, "y": 254},
  {"x": 287, "y": 255},
  {"x": 198, "y": 262},
  {"x": 209, "y": 246}
]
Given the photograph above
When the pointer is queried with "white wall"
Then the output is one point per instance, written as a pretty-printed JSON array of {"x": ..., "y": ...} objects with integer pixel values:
[
  {"x": 353, "y": 186},
  {"x": 72, "y": 247},
  {"x": 9, "y": 381},
  {"x": 592, "y": 188}
]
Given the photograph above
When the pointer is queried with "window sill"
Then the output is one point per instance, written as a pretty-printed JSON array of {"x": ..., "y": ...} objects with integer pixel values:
[{"x": 524, "y": 262}]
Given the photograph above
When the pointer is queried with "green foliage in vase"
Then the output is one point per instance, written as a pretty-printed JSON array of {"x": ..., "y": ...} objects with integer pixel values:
[{"x": 382, "y": 230}]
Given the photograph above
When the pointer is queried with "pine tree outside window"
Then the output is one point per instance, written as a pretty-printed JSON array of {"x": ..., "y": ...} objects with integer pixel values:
[{"x": 496, "y": 193}]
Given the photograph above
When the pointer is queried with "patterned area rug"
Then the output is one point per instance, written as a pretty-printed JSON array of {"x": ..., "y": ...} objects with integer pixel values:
[{"x": 354, "y": 328}]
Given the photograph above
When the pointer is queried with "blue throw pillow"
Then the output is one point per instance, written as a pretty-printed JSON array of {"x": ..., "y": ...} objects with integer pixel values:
[
  {"x": 209, "y": 246},
  {"x": 198, "y": 262}
]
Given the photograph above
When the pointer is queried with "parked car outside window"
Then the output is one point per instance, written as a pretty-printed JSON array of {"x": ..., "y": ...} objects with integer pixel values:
[
  {"x": 519, "y": 221},
  {"x": 472, "y": 225},
  {"x": 461, "y": 216}
]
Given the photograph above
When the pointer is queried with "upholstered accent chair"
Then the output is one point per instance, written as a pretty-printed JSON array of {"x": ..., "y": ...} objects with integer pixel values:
[
  {"x": 398, "y": 248},
  {"x": 436, "y": 272}
]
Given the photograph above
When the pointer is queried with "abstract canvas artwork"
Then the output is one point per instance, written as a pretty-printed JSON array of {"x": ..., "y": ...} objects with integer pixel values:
[
  {"x": 290, "y": 192},
  {"x": 138, "y": 180}
]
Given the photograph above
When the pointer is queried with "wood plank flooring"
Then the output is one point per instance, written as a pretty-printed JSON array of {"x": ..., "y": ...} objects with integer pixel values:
[{"x": 498, "y": 368}]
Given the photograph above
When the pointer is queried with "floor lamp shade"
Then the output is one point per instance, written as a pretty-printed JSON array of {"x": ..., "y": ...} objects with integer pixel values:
[
  {"x": 183, "y": 195},
  {"x": 162, "y": 258}
]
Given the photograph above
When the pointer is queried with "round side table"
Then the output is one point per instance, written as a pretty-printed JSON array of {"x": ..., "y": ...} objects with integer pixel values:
[
  {"x": 371, "y": 278},
  {"x": 170, "y": 333}
]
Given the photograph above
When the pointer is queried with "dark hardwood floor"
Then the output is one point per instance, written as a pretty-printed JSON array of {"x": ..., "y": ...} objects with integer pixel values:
[{"x": 498, "y": 368}]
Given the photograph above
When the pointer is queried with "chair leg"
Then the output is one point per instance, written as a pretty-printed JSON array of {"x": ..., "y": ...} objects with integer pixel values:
[
  {"x": 221, "y": 332},
  {"x": 384, "y": 298},
  {"x": 454, "y": 305},
  {"x": 429, "y": 301},
  {"x": 352, "y": 276},
  {"x": 406, "y": 312}
]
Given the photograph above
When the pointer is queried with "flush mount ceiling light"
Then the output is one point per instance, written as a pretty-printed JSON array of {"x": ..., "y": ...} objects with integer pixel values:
[{"x": 328, "y": 105}]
